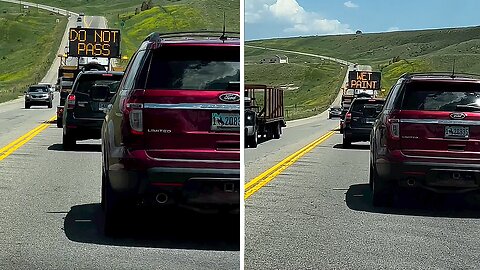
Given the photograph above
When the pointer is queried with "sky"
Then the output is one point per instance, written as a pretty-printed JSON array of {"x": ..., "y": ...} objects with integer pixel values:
[{"x": 289, "y": 18}]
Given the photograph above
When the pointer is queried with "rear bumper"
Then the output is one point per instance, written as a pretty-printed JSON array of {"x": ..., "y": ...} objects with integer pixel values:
[
  {"x": 196, "y": 188},
  {"x": 435, "y": 176},
  {"x": 199, "y": 185},
  {"x": 84, "y": 128},
  {"x": 357, "y": 134},
  {"x": 42, "y": 101}
]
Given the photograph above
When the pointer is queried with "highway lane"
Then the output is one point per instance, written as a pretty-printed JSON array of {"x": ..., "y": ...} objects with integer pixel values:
[
  {"x": 318, "y": 215},
  {"x": 51, "y": 216},
  {"x": 15, "y": 120},
  {"x": 297, "y": 134}
]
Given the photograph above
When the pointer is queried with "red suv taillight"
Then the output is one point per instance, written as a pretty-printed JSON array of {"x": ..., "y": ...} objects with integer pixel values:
[
  {"x": 392, "y": 124},
  {"x": 394, "y": 128},
  {"x": 71, "y": 101},
  {"x": 132, "y": 109},
  {"x": 135, "y": 117}
]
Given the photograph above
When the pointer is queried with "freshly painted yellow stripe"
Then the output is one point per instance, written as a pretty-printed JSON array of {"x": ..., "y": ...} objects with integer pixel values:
[
  {"x": 86, "y": 24},
  {"x": 13, "y": 146},
  {"x": 258, "y": 182}
]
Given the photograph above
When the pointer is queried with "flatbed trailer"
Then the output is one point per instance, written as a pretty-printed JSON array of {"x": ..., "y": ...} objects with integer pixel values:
[{"x": 264, "y": 113}]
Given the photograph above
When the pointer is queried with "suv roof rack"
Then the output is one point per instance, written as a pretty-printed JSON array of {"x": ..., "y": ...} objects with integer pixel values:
[
  {"x": 441, "y": 74},
  {"x": 158, "y": 37}
]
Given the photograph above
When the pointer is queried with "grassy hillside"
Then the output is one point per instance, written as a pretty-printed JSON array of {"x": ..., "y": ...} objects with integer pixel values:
[
  {"x": 166, "y": 16},
  {"x": 413, "y": 51},
  {"x": 314, "y": 83},
  {"x": 28, "y": 45},
  {"x": 179, "y": 16}
]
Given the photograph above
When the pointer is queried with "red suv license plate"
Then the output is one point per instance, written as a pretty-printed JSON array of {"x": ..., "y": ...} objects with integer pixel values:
[
  {"x": 225, "y": 121},
  {"x": 457, "y": 132}
]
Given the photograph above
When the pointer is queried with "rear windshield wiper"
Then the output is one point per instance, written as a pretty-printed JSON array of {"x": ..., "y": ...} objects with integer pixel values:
[{"x": 467, "y": 108}]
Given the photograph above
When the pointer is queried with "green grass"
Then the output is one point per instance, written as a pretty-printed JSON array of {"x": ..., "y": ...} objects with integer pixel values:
[
  {"x": 317, "y": 80},
  {"x": 419, "y": 51},
  {"x": 28, "y": 46},
  {"x": 25, "y": 39},
  {"x": 166, "y": 16},
  {"x": 415, "y": 51}
]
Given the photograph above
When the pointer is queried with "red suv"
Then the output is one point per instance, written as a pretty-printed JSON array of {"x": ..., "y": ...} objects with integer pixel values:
[
  {"x": 171, "y": 136},
  {"x": 427, "y": 136}
]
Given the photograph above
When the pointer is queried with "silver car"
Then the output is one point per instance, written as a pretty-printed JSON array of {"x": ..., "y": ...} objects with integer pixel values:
[{"x": 38, "y": 95}]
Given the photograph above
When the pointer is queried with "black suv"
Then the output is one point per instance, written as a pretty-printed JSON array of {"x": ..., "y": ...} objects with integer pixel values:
[
  {"x": 85, "y": 105},
  {"x": 359, "y": 119}
]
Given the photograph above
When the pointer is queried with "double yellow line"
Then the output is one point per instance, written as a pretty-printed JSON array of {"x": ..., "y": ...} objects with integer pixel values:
[
  {"x": 11, "y": 147},
  {"x": 258, "y": 182}
]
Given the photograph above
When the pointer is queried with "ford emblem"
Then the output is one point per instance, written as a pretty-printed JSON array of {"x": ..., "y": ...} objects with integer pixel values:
[
  {"x": 457, "y": 115},
  {"x": 229, "y": 97}
]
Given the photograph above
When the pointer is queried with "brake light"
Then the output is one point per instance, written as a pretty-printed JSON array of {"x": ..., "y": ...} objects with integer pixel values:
[
  {"x": 71, "y": 101},
  {"x": 394, "y": 128},
  {"x": 392, "y": 125},
  {"x": 136, "y": 121},
  {"x": 348, "y": 117},
  {"x": 134, "y": 111}
]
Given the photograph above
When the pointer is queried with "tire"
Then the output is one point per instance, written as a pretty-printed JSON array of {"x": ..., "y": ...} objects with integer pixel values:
[
  {"x": 59, "y": 122},
  {"x": 346, "y": 143},
  {"x": 277, "y": 131},
  {"x": 117, "y": 210},
  {"x": 382, "y": 191},
  {"x": 269, "y": 132},
  {"x": 69, "y": 141},
  {"x": 111, "y": 210},
  {"x": 27, "y": 105},
  {"x": 252, "y": 141}
]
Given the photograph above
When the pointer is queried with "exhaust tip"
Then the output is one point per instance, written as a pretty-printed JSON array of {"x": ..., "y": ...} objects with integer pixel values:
[
  {"x": 161, "y": 198},
  {"x": 411, "y": 182}
]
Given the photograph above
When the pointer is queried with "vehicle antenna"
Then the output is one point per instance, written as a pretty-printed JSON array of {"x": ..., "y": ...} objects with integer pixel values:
[
  {"x": 453, "y": 69},
  {"x": 224, "y": 37}
]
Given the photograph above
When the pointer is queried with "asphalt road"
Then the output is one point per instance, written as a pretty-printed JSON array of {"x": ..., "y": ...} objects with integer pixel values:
[
  {"x": 317, "y": 214},
  {"x": 297, "y": 134},
  {"x": 51, "y": 217}
]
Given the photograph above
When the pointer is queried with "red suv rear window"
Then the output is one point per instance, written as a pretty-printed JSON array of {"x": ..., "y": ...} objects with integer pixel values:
[
  {"x": 441, "y": 96},
  {"x": 194, "y": 68}
]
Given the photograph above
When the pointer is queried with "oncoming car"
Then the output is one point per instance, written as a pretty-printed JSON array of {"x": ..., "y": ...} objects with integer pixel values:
[
  {"x": 38, "y": 95},
  {"x": 172, "y": 135},
  {"x": 334, "y": 111}
]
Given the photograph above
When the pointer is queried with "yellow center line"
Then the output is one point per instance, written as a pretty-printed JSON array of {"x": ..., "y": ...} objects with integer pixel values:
[
  {"x": 258, "y": 182},
  {"x": 86, "y": 24},
  {"x": 13, "y": 146}
]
